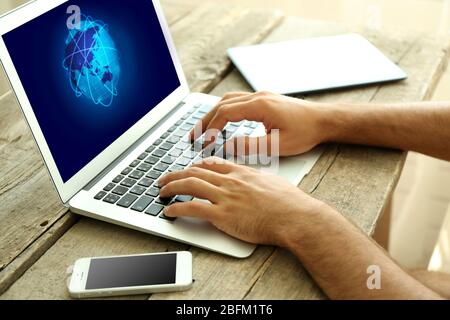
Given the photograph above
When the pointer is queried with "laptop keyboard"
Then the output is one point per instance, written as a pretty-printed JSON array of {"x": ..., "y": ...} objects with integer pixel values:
[{"x": 137, "y": 186}]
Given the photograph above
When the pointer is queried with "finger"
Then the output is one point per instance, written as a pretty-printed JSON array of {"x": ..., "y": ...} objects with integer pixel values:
[
  {"x": 201, "y": 125},
  {"x": 192, "y": 172},
  {"x": 193, "y": 187},
  {"x": 195, "y": 209},
  {"x": 215, "y": 164},
  {"x": 235, "y": 112},
  {"x": 246, "y": 146}
]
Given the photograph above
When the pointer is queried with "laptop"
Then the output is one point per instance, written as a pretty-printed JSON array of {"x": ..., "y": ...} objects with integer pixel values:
[{"x": 103, "y": 92}]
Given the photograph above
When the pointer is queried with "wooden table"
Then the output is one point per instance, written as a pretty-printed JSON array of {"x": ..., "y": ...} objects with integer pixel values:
[{"x": 40, "y": 239}]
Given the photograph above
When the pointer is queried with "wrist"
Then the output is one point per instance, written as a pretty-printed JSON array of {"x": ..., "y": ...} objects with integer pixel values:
[
  {"x": 331, "y": 121},
  {"x": 304, "y": 223}
]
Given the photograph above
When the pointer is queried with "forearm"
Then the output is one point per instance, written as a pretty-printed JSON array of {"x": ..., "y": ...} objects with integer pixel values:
[
  {"x": 422, "y": 127},
  {"x": 337, "y": 255}
]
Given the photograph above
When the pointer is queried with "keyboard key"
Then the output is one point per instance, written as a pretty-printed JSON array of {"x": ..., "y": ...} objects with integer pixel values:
[
  {"x": 161, "y": 167},
  {"x": 157, "y": 142},
  {"x": 179, "y": 123},
  {"x": 247, "y": 124},
  {"x": 151, "y": 160},
  {"x": 166, "y": 146},
  {"x": 142, "y": 203},
  {"x": 146, "y": 182},
  {"x": 165, "y": 135},
  {"x": 163, "y": 201},
  {"x": 120, "y": 190},
  {"x": 153, "y": 174},
  {"x": 253, "y": 125},
  {"x": 180, "y": 133},
  {"x": 189, "y": 154},
  {"x": 198, "y": 116},
  {"x": 175, "y": 152},
  {"x": 100, "y": 195},
  {"x": 135, "y": 163},
  {"x": 162, "y": 216},
  {"x": 138, "y": 190},
  {"x": 144, "y": 167},
  {"x": 127, "y": 201},
  {"x": 118, "y": 179},
  {"x": 184, "y": 198},
  {"x": 248, "y": 132},
  {"x": 205, "y": 108},
  {"x": 231, "y": 129},
  {"x": 186, "y": 127},
  {"x": 159, "y": 153},
  {"x": 126, "y": 171},
  {"x": 154, "y": 209},
  {"x": 109, "y": 187},
  {"x": 111, "y": 198},
  {"x": 150, "y": 149},
  {"x": 128, "y": 182},
  {"x": 154, "y": 192},
  {"x": 168, "y": 159},
  {"x": 192, "y": 121},
  {"x": 136, "y": 174},
  {"x": 183, "y": 162},
  {"x": 173, "y": 139},
  {"x": 183, "y": 145},
  {"x": 143, "y": 156},
  {"x": 176, "y": 168},
  {"x": 172, "y": 129}
]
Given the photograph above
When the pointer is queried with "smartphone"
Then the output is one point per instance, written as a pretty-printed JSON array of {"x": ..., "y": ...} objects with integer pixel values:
[{"x": 130, "y": 275}]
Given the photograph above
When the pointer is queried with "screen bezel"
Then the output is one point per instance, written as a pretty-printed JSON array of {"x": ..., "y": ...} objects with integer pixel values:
[
  {"x": 67, "y": 190},
  {"x": 183, "y": 276}
]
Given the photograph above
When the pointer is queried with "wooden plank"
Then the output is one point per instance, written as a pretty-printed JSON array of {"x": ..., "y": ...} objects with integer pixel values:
[
  {"x": 175, "y": 10},
  {"x": 221, "y": 272},
  {"x": 46, "y": 279},
  {"x": 190, "y": 40},
  {"x": 29, "y": 204},
  {"x": 28, "y": 257},
  {"x": 360, "y": 180},
  {"x": 202, "y": 46}
]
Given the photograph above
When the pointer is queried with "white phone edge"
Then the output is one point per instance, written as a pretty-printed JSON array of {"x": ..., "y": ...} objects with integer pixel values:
[{"x": 78, "y": 278}]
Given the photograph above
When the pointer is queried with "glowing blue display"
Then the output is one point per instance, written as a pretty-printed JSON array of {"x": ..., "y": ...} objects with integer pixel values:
[{"x": 92, "y": 62}]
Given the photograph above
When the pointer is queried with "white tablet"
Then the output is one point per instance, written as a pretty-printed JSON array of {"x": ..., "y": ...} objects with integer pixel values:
[{"x": 314, "y": 64}]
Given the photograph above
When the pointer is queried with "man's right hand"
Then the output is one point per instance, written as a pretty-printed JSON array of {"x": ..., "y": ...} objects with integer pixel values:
[{"x": 298, "y": 121}]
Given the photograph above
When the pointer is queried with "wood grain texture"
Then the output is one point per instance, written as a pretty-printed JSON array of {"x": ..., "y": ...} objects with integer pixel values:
[
  {"x": 29, "y": 204},
  {"x": 204, "y": 63},
  {"x": 356, "y": 180},
  {"x": 360, "y": 180},
  {"x": 202, "y": 46},
  {"x": 278, "y": 274}
]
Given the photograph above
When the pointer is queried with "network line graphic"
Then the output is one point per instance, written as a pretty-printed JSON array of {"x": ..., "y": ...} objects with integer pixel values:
[{"x": 91, "y": 61}]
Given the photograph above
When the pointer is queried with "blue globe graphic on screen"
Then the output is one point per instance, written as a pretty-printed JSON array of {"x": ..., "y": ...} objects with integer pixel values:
[{"x": 92, "y": 62}]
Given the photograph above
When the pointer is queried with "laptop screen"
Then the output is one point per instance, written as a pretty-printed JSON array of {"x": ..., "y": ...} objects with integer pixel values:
[{"x": 91, "y": 70}]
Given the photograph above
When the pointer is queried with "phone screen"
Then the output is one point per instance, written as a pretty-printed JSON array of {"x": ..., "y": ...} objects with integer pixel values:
[{"x": 132, "y": 271}]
